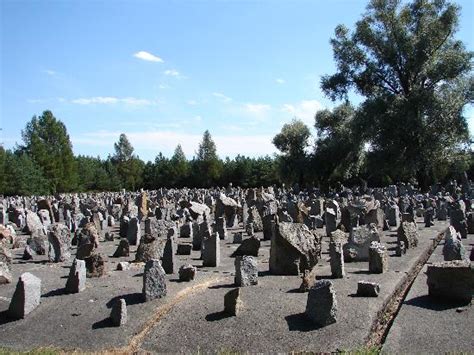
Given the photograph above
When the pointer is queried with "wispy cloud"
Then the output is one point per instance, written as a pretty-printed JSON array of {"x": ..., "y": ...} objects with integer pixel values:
[
  {"x": 147, "y": 56},
  {"x": 192, "y": 102},
  {"x": 50, "y": 72},
  {"x": 35, "y": 101},
  {"x": 257, "y": 109},
  {"x": 173, "y": 72},
  {"x": 111, "y": 100},
  {"x": 163, "y": 86},
  {"x": 304, "y": 110},
  {"x": 222, "y": 96},
  {"x": 280, "y": 81}
]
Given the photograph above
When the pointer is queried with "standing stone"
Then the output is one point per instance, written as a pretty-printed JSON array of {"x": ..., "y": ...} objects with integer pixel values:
[
  {"x": 367, "y": 289},
  {"x": 184, "y": 249},
  {"x": 408, "y": 233},
  {"x": 357, "y": 248},
  {"x": 378, "y": 258},
  {"x": 118, "y": 315},
  {"x": 249, "y": 246},
  {"x": 221, "y": 228},
  {"x": 393, "y": 216},
  {"x": 133, "y": 231},
  {"x": 212, "y": 252},
  {"x": 124, "y": 221},
  {"x": 442, "y": 212},
  {"x": 76, "y": 282},
  {"x": 330, "y": 220},
  {"x": 321, "y": 307},
  {"x": 187, "y": 273},
  {"x": 168, "y": 262},
  {"x": 249, "y": 229},
  {"x": 336, "y": 255},
  {"x": 5, "y": 274},
  {"x": 453, "y": 248},
  {"x": 186, "y": 230},
  {"x": 150, "y": 248},
  {"x": 232, "y": 302},
  {"x": 451, "y": 280},
  {"x": 457, "y": 218},
  {"x": 26, "y": 297},
  {"x": 154, "y": 281},
  {"x": 401, "y": 248},
  {"x": 428, "y": 217},
  {"x": 95, "y": 265},
  {"x": 27, "y": 253},
  {"x": 59, "y": 238},
  {"x": 237, "y": 238},
  {"x": 246, "y": 271}
]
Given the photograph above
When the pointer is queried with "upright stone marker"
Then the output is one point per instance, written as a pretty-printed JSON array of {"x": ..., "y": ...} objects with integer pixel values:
[
  {"x": 154, "y": 281},
  {"x": 321, "y": 307},
  {"x": 76, "y": 282},
  {"x": 26, "y": 297}
]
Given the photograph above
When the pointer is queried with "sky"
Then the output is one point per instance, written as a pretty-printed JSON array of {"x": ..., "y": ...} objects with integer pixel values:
[{"x": 163, "y": 72}]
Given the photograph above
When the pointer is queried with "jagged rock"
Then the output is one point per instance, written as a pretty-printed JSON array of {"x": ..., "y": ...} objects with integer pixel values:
[
  {"x": 123, "y": 265},
  {"x": 336, "y": 255},
  {"x": 308, "y": 280},
  {"x": 39, "y": 244},
  {"x": 187, "y": 272},
  {"x": 26, "y": 297},
  {"x": 5, "y": 274},
  {"x": 154, "y": 281},
  {"x": 453, "y": 248},
  {"x": 294, "y": 249},
  {"x": 5, "y": 255},
  {"x": 357, "y": 248},
  {"x": 451, "y": 280},
  {"x": 59, "y": 238},
  {"x": 378, "y": 258},
  {"x": 123, "y": 249},
  {"x": 367, "y": 289},
  {"x": 255, "y": 219},
  {"x": 246, "y": 271},
  {"x": 76, "y": 281},
  {"x": 321, "y": 307},
  {"x": 84, "y": 251},
  {"x": 118, "y": 314},
  {"x": 232, "y": 302},
  {"x": 95, "y": 265},
  {"x": 408, "y": 233},
  {"x": 27, "y": 253},
  {"x": 150, "y": 248},
  {"x": 249, "y": 246},
  {"x": 88, "y": 235}
]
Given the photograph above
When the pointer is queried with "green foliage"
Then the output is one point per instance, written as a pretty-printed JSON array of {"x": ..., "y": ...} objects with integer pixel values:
[
  {"x": 47, "y": 142},
  {"x": 292, "y": 141},
  {"x": 129, "y": 167},
  {"x": 207, "y": 165},
  {"x": 415, "y": 79}
]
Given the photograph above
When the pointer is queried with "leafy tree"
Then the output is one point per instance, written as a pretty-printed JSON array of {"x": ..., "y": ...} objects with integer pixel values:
[
  {"x": 180, "y": 167},
  {"x": 292, "y": 141},
  {"x": 129, "y": 167},
  {"x": 47, "y": 142},
  {"x": 339, "y": 149},
  {"x": 415, "y": 78},
  {"x": 208, "y": 165}
]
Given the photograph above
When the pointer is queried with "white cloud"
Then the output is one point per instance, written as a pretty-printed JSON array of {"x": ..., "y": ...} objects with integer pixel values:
[
  {"x": 50, "y": 72},
  {"x": 148, "y": 57},
  {"x": 197, "y": 118},
  {"x": 149, "y": 143},
  {"x": 172, "y": 72},
  {"x": 303, "y": 110},
  {"x": 110, "y": 100},
  {"x": 280, "y": 81},
  {"x": 222, "y": 96},
  {"x": 257, "y": 109}
]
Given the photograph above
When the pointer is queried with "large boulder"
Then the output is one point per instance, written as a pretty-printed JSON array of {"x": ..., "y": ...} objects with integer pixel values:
[
  {"x": 453, "y": 248},
  {"x": 33, "y": 224},
  {"x": 294, "y": 249},
  {"x": 150, "y": 248},
  {"x": 59, "y": 238},
  {"x": 408, "y": 233},
  {"x": 357, "y": 247}
]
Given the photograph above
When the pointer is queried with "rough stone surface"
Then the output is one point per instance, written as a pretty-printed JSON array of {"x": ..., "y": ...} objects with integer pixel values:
[
  {"x": 249, "y": 246},
  {"x": 95, "y": 265},
  {"x": 232, "y": 302},
  {"x": 5, "y": 274},
  {"x": 453, "y": 248},
  {"x": 451, "y": 280},
  {"x": 357, "y": 248},
  {"x": 149, "y": 248},
  {"x": 76, "y": 281},
  {"x": 211, "y": 255},
  {"x": 378, "y": 258},
  {"x": 26, "y": 297},
  {"x": 294, "y": 249},
  {"x": 408, "y": 233},
  {"x": 321, "y": 306},
  {"x": 367, "y": 289},
  {"x": 123, "y": 266},
  {"x": 336, "y": 256},
  {"x": 246, "y": 271},
  {"x": 123, "y": 249},
  {"x": 184, "y": 249},
  {"x": 118, "y": 314},
  {"x": 154, "y": 281},
  {"x": 187, "y": 273},
  {"x": 59, "y": 238},
  {"x": 168, "y": 260}
]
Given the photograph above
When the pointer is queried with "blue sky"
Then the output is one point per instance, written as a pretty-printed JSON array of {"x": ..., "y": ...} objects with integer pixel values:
[{"x": 165, "y": 71}]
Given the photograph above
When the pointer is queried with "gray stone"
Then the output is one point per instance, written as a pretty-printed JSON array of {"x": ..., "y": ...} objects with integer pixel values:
[
  {"x": 249, "y": 229},
  {"x": 401, "y": 248},
  {"x": 187, "y": 273},
  {"x": 118, "y": 314},
  {"x": 154, "y": 281},
  {"x": 232, "y": 302},
  {"x": 393, "y": 216},
  {"x": 357, "y": 248},
  {"x": 451, "y": 280},
  {"x": 39, "y": 244},
  {"x": 336, "y": 260},
  {"x": 186, "y": 230},
  {"x": 95, "y": 265},
  {"x": 5, "y": 255},
  {"x": 330, "y": 220},
  {"x": 378, "y": 258},
  {"x": 255, "y": 219},
  {"x": 27, "y": 253},
  {"x": 26, "y": 297},
  {"x": 294, "y": 249},
  {"x": 5, "y": 274},
  {"x": 123, "y": 265},
  {"x": 246, "y": 271},
  {"x": 237, "y": 238},
  {"x": 149, "y": 248},
  {"x": 321, "y": 307},
  {"x": 109, "y": 236},
  {"x": 123, "y": 249},
  {"x": 76, "y": 281},
  {"x": 221, "y": 228},
  {"x": 249, "y": 246},
  {"x": 59, "y": 238},
  {"x": 408, "y": 233},
  {"x": 184, "y": 249},
  {"x": 168, "y": 262},
  {"x": 367, "y": 289},
  {"x": 453, "y": 248},
  {"x": 212, "y": 253},
  {"x": 133, "y": 231}
]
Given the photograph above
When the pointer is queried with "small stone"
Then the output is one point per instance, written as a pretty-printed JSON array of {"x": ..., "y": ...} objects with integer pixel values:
[
  {"x": 237, "y": 238},
  {"x": 321, "y": 307},
  {"x": 26, "y": 297},
  {"x": 246, "y": 271},
  {"x": 187, "y": 273},
  {"x": 378, "y": 258},
  {"x": 95, "y": 265},
  {"x": 118, "y": 315},
  {"x": 27, "y": 253},
  {"x": 109, "y": 236},
  {"x": 401, "y": 248},
  {"x": 249, "y": 246},
  {"x": 123, "y": 249},
  {"x": 5, "y": 274},
  {"x": 123, "y": 265},
  {"x": 367, "y": 289},
  {"x": 232, "y": 302},
  {"x": 76, "y": 281},
  {"x": 184, "y": 249}
]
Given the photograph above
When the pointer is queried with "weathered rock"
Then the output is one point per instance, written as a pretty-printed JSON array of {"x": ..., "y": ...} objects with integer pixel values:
[
  {"x": 401, "y": 248},
  {"x": 95, "y": 265},
  {"x": 76, "y": 281},
  {"x": 5, "y": 255},
  {"x": 133, "y": 231},
  {"x": 294, "y": 249},
  {"x": 150, "y": 248},
  {"x": 249, "y": 246},
  {"x": 451, "y": 280},
  {"x": 33, "y": 224},
  {"x": 109, "y": 236},
  {"x": 249, "y": 229},
  {"x": 59, "y": 238},
  {"x": 338, "y": 236},
  {"x": 123, "y": 249},
  {"x": 187, "y": 273},
  {"x": 408, "y": 233},
  {"x": 154, "y": 281},
  {"x": 393, "y": 216},
  {"x": 378, "y": 258},
  {"x": 39, "y": 244},
  {"x": 308, "y": 280},
  {"x": 84, "y": 251},
  {"x": 367, "y": 289},
  {"x": 357, "y": 248},
  {"x": 237, "y": 238},
  {"x": 123, "y": 265},
  {"x": 168, "y": 260},
  {"x": 453, "y": 248},
  {"x": 246, "y": 271},
  {"x": 232, "y": 302},
  {"x": 118, "y": 314},
  {"x": 186, "y": 230},
  {"x": 255, "y": 219},
  {"x": 184, "y": 249},
  {"x": 5, "y": 274},
  {"x": 27, "y": 253},
  {"x": 336, "y": 255},
  {"x": 89, "y": 235},
  {"x": 321, "y": 307},
  {"x": 330, "y": 220},
  {"x": 26, "y": 297}
]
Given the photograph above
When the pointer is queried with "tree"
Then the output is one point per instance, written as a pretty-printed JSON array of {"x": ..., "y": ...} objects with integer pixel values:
[
  {"x": 339, "y": 150},
  {"x": 207, "y": 162},
  {"x": 180, "y": 167},
  {"x": 129, "y": 166},
  {"x": 415, "y": 79},
  {"x": 47, "y": 142},
  {"x": 292, "y": 141}
]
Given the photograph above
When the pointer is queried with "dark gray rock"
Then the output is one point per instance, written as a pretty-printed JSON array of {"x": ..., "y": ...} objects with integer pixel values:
[
  {"x": 453, "y": 248},
  {"x": 246, "y": 271},
  {"x": 249, "y": 246},
  {"x": 367, "y": 289},
  {"x": 232, "y": 302},
  {"x": 5, "y": 274},
  {"x": 408, "y": 233},
  {"x": 118, "y": 314},
  {"x": 123, "y": 249},
  {"x": 357, "y": 248},
  {"x": 187, "y": 273},
  {"x": 184, "y": 249},
  {"x": 59, "y": 238},
  {"x": 95, "y": 265},
  {"x": 154, "y": 281},
  {"x": 378, "y": 258},
  {"x": 451, "y": 280},
  {"x": 336, "y": 260},
  {"x": 168, "y": 260},
  {"x": 76, "y": 281},
  {"x": 321, "y": 307},
  {"x": 150, "y": 248}
]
